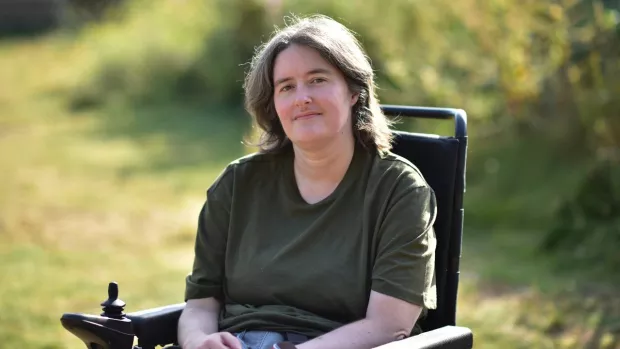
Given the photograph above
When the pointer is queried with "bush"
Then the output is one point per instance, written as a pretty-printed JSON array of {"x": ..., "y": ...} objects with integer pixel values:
[
  {"x": 506, "y": 64},
  {"x": 588, "y": 224},
  {"x": 141, "y": 53},
  {"x": 428, "y": 52}
]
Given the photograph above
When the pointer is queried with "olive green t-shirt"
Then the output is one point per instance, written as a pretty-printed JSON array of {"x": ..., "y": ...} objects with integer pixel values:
[{"x": 280, "y": 264}]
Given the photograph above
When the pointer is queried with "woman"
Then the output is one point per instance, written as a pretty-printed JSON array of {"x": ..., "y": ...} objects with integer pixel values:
[{"x": 324, "y": 238}]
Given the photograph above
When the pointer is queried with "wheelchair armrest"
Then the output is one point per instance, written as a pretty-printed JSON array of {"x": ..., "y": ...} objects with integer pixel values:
[
  {"x": 156, "y": 326},
  {"x": 448, "y": 337}
]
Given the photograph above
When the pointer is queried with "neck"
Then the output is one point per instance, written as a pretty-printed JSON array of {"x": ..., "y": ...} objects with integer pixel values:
[{"x": 327, "y": 163}]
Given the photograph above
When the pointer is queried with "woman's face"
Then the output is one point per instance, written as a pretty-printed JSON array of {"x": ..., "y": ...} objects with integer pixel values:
[{"x": 311, "y": 98}]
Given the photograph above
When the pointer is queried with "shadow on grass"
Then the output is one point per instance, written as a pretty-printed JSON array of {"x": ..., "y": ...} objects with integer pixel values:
[{"x": 175, "y": 137}]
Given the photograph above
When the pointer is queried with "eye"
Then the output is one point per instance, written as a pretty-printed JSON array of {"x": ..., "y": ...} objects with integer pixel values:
[
  {"x": 317, "y": 80},
  {"x": 286, "y": 88}
]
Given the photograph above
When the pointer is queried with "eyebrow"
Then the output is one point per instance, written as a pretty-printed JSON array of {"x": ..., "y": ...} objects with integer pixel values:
[{"x": 311, "y": 72}]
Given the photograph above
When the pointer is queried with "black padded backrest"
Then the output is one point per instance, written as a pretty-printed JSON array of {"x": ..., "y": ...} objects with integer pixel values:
[{"x": 437, "y": 158}]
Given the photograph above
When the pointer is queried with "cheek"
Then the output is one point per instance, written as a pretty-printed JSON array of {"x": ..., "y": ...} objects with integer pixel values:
[
  {"x": 340, "y": 102},
  {"x": 339, "y": 97},
  {"x": 282, "y": 108}
]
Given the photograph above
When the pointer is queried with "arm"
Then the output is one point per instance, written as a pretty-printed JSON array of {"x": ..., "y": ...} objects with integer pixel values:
[
  {"x": 387, "y": 319},
  {"x": 204, "y": 290},
  {"x": 198, "y": 319}
]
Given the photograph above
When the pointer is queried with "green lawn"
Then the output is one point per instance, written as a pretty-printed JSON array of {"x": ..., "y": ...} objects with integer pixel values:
[{"x": 88, "y": 196}]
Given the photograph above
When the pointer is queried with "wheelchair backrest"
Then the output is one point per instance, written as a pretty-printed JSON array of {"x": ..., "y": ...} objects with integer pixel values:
[{"x": 441, "y": 160}]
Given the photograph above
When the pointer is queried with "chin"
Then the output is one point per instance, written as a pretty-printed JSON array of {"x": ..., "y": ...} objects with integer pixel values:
[{"x": 310, "y": 139}]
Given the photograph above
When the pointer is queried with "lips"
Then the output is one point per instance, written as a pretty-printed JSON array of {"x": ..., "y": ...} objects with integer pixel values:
[{"x": 305, "y": 116}]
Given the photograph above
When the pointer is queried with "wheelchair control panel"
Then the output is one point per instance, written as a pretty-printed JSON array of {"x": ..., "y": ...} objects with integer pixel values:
[{"x": 110, "y": 330}]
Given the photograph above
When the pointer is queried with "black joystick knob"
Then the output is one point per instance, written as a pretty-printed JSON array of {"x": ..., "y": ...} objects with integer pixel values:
[{"x": 113, "y": 307}]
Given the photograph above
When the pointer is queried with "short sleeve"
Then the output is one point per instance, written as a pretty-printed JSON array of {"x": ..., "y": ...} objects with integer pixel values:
[
  {"x": 206, "y": 278},
  {"x": 405, "y": 263}
]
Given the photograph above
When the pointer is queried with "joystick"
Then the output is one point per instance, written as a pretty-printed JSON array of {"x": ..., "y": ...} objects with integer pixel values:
[
  {"x": 111, "y": 330},
  {"x": 113, "y": 307}
]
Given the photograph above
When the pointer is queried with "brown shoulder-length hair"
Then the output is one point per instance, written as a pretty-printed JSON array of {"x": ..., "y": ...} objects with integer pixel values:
[{"x": 336, "y": 44}]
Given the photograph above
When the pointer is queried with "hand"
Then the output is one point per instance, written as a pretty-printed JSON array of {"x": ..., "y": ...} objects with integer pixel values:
[{"x": 218, "y": 340}]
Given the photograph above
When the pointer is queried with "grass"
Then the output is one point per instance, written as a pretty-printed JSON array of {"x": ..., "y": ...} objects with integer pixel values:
[
  {"x": 88, "y": 196},
  {"x": 515, "y": 297},
  {"x": 91, "y": 196}
]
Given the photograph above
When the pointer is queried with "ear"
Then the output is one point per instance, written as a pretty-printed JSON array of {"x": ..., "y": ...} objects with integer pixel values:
[{"x": 354, "y": 98}]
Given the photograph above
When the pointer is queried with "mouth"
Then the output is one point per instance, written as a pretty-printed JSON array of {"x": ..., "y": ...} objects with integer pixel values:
[{"x": 305, "y": 116}]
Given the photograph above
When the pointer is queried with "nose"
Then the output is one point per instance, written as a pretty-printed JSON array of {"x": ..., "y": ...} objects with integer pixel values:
[{"x": 302, "y": 97}]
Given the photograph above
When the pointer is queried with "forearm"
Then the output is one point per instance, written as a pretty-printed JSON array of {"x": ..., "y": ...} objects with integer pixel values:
[
  {"x": 197, "y": 322},
  {"x": 362, "y": 334}
]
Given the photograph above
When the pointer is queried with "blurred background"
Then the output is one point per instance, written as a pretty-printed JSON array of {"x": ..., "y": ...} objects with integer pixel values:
[{"x": 116, "y": 116}]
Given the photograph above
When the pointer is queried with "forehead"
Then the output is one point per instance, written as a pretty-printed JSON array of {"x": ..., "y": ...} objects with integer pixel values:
[{"x": 299, "y": 60}]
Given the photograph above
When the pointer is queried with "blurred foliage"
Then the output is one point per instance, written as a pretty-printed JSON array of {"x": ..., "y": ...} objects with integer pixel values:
[
  {"x": 181, "y": 50},
  {"x": 506, "y": 63},
  {"x": 588, "y": 224},
  {"x": 542, "y": 68},
  {"x": 141, "y": 51}
]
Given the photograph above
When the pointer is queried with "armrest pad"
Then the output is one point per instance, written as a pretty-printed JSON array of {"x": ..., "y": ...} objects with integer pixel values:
[
  {"x": 157, "y": 326},
  {"x": 448, "y": 337}
]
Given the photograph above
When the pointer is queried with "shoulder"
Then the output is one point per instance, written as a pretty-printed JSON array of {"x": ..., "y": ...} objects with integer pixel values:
[
  {"x": 404, "y": 193},
  {"x": 399, "y": 171},
  {"x": 254, "y": 161},
  {"x": 245, "y": 168}
]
